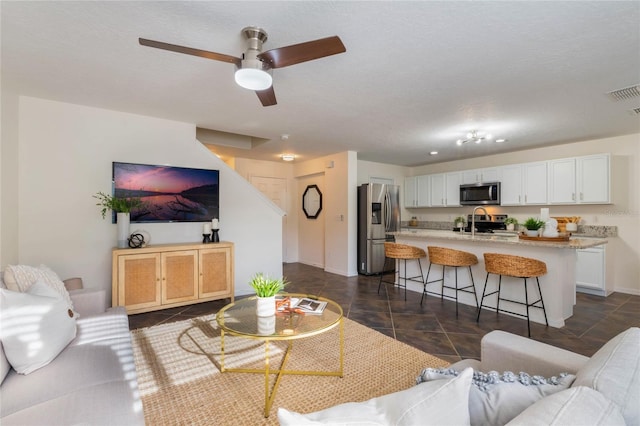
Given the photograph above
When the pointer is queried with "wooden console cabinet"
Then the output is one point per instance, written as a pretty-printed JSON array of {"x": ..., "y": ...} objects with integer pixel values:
[{"x": 169, "y": 275}]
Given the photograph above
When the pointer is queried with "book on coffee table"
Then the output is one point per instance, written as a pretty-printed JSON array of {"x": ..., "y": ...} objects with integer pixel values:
[
  {"x": 311, "y": 306},
  {"x": 305, "y": 304}
]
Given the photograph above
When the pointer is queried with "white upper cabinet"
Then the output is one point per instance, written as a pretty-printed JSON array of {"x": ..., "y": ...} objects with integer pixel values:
[
  {"x": 593, "y": 176},
  {"x": 580, "y": 180},
  {"x": 511, "y": 185},
  {"x": 445, "y": 189},
  {"x": 437, "y": 190},
  {"x": 523, "y": 184},
  {"x": 452, "y": 189},
  {"x": 577, "y": 180},
  {"x": 562, "y": 181},
  {"x": 490, "y": 174},
  {"x": 424, "y": 191},
  {"x": 410, "y": 191},
  {"x": 535, "y": 183}
]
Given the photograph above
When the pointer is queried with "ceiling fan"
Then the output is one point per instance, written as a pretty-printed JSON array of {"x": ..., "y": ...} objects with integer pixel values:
[{"x": 254, "y": 68}]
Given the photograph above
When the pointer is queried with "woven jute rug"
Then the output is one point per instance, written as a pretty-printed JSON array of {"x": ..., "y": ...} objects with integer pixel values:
[{"x": 180, "y": 382}]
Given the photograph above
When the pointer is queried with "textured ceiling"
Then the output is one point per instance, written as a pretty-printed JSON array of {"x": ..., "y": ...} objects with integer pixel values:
[{"x": 416, "y": 75}]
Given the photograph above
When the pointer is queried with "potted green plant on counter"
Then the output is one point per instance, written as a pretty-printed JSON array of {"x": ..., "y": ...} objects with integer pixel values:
[
  {"x": 266, "y": 289},
  {"x": 460, "y": 222},
  {"x": 511, "y": 223},
  {"x": 533, "y": 225}
]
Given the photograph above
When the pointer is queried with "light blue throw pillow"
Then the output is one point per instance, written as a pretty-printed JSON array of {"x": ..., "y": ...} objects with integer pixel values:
[{"x": 495, "y": 399}]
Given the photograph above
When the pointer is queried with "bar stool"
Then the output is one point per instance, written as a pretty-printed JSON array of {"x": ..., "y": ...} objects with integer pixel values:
[
  {"x": 453, "y": 258},
  {"x": 402, "y": 252},
  {"x": 518, "y": 267}
]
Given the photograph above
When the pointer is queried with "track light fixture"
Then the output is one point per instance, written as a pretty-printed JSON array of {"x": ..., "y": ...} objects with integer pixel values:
[{"x": 474, "y": 136}]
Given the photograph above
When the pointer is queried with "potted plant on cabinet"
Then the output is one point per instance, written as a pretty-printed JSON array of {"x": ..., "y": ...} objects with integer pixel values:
[
  {"x": 122, "y": 206},
  {"x": 460, "y": 222},
  {"x": 533, "y": 226},
  {"x": 511, "y": 223},
  {"x": 266, "y": 289}
]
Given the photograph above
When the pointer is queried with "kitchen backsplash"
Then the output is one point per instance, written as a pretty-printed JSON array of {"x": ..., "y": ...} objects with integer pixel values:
[{"x": 583, "y": 230}]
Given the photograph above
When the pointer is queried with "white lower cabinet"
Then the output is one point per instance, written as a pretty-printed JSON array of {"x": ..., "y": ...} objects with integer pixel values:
[{"x": 591, "y": 270}]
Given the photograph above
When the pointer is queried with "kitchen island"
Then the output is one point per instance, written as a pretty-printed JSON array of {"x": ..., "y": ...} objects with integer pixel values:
[{"x": 558, "y": 285}]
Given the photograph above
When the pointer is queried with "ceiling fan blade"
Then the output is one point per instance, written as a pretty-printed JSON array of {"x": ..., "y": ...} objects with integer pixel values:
[
  {"x": 191, "y": 51},
  {"x": 267, "y": 96},
  {"x": 303, "y": 52}
]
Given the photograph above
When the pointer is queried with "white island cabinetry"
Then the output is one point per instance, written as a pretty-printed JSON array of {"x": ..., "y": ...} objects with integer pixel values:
[{"x": 558, "y": 285}]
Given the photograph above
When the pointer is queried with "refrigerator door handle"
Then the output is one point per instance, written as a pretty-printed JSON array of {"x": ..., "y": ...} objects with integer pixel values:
[{"x": 387, "y": 213}]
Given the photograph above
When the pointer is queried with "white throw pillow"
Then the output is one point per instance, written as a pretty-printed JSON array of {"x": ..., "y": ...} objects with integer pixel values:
[
  {"x": 615, "y": 372},
  {"x": 36, "y": 326},
  {"x": 577, "y": 406},
  {"x": 495, "y": 399},
  {"x": 21, "y": 278},
  {"x": 441, "y": 402}
]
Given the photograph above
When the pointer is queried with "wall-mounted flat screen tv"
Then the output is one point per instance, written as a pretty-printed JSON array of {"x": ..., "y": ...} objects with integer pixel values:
[{"x": 169, "y": 194}]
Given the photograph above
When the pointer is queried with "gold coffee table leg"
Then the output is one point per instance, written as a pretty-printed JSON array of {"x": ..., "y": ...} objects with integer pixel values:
[
  {"x": 221, "y": 350},
  {"x": 268, "y": 398}
]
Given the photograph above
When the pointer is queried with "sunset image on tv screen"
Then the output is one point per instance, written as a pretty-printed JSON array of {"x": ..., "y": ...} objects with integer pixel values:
[{"x": 169, "y": 194}]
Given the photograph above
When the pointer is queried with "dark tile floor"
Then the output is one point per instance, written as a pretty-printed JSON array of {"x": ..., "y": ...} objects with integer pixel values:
[{"x": 434, "y": 327}]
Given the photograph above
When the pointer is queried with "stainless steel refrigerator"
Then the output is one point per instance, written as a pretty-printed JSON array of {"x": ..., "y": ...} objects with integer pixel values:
[{"x": 378, "y": 216}]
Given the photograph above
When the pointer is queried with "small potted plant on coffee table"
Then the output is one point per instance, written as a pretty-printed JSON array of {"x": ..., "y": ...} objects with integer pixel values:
[
  {"x": 533, "y": 226},
  {"x": 266, "y": 289},
  {"x": 511, "y": 223}
]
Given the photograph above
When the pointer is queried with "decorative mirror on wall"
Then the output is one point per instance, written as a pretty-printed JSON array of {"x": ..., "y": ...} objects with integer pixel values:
[{"x": 312, "y": 201}]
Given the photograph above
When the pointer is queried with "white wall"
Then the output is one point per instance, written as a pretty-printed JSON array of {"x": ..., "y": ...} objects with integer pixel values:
[
  {"x": 9, "y": 178},
  {"x": 338, "y": 173},
  {"x": 624, "y": 212},
  {"x": 65, "y": 156},
  {"x": 250, "y": 168},
  {"x": 312, "y": 232},
  {"x": 368, "y": 170},
  {"x": 340, "y": 209}
]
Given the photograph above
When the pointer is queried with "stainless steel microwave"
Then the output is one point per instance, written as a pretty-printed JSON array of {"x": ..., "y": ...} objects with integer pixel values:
[{"x": 480, "y": 194}]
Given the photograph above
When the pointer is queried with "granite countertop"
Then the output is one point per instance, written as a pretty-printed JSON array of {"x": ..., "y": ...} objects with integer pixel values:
[
  {"x": 586, "y": 231},
  {"x": 505, "y": 237}
]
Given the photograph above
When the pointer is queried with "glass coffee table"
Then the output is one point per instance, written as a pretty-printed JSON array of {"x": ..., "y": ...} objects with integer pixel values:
[{"x": 240, "y": 319}]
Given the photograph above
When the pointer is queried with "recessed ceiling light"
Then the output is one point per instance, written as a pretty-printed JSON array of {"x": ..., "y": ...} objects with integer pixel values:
[
  {"x": 433, "y": 153},
  {"x": 500, "y": 140},
  {"x": 288, "y": 157}
]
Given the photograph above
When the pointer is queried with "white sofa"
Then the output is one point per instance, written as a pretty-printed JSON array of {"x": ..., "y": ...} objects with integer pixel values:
[
  {"x": 92, "y": 381},
  {"x": 601, "y": 390}
]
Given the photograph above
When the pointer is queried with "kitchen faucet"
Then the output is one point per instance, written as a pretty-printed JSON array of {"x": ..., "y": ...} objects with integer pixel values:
[{"x": 473, "y": 219}]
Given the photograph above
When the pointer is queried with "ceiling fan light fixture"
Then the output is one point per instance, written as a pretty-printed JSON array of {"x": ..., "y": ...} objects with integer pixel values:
[{"x": 253, "y": 78}]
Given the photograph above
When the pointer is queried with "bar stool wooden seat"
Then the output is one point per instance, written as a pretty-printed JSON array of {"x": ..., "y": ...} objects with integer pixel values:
[
  {"x": 519, "y": 267},
  {"x": 402, "y": 252},
  {"x": 455, "y": 259}
]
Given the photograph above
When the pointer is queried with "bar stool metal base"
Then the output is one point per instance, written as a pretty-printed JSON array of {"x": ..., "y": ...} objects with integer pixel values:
[
  {"x": 525, "y": 303},
  {"x": 471, "y": 289},
  {"x": 417, "y": 278}
]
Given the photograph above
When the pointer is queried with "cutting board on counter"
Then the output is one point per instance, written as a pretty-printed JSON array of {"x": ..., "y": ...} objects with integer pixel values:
[{"x": 562, "y": 237}]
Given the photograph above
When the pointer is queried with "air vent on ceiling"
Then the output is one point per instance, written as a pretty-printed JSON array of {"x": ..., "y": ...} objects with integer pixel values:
[{"x": 626, "y": 93}]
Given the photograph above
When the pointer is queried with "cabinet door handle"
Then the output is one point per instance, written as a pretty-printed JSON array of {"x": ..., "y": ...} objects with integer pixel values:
[
  {"x": 525, "y": 198},
  {"x": 573, "y": 196},
  {"x": 581, "y": 196},
  {"x": 519, "y": 199}
]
